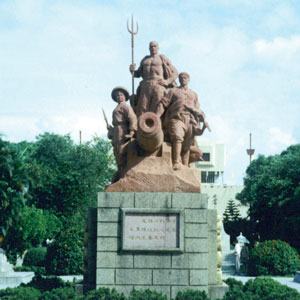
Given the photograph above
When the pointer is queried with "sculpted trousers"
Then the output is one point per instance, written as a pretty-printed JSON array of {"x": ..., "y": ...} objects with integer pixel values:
[{"x": 151, "y": 93}]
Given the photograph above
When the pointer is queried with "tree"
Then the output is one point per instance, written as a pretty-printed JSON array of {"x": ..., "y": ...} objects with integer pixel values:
[
  {"x": 66, "y": 177},
  {"x": 272, "y": 191},
  {"x": 13, "y": 185},
  {"x": 31, "y": 229},
  {"x": 232, "y": 220},
  {"x": 231, "y": 213},
  {"x": 50, "y": 178}
]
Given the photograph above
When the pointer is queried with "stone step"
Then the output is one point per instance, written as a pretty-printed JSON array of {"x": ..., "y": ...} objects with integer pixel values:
[{"x": 228, "y": 258}]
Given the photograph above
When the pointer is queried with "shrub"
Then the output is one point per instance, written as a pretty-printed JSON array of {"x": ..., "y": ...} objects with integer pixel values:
[
  {"x": 146, "y": 295},
  {"x": 36, "y": 270},
  {"x": 46, "y": 283},
  {"x": 259, "y": 289},
  {"x": 63, "y": 293},
  {"x": 104, "y": 294},
  {"x": 20, "y": 293},
  {"x": 35, "y": 257},
  {"x": 65, "y": 254},
  {"x": 192, "y": 295},
  {"x": 267, "y": 288},
  {"x": 231, "y": 282},
  {"x": 273, "y": 258}
]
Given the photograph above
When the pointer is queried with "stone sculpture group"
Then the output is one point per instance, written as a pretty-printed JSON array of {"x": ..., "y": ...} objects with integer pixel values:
[{"x": 161, "y": 115}]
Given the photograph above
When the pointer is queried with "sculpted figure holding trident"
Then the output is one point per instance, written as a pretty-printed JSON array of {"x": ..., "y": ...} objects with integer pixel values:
[{"x": 158, "y": 73}]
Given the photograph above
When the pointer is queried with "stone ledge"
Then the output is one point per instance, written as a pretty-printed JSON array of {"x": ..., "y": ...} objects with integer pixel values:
[
  {"x": 189, "y": 200},
  {"x": 115, "y": 199},
  {"x": 152, "y": 200}
]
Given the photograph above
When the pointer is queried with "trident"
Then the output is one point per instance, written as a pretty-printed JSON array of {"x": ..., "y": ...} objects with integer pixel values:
[{"x": 133, "y": 33}]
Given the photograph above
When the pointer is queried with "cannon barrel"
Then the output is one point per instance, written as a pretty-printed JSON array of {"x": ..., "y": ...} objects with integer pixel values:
[{"x": 149, "y": 134}]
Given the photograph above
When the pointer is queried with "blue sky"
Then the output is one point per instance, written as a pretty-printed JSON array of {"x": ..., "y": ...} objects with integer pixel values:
[{"x": 59, "y": 61}]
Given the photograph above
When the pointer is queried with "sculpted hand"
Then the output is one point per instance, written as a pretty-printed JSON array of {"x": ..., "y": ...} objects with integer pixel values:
[
  {"x": 162, "y": 82},
  {"x": 132, "y": 68},
  {"x": 130, "y": 135},
  {"x": 189, "y": 107}
]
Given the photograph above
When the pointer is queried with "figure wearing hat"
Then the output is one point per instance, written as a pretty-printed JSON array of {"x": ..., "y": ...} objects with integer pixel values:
[{"x": 124, "y": 125}]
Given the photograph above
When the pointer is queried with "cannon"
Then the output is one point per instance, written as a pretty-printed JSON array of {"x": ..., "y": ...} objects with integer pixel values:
[{"x": 149, "y": 134}]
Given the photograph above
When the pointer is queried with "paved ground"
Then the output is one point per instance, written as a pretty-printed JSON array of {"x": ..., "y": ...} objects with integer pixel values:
[{"x": 229, "y": 270}]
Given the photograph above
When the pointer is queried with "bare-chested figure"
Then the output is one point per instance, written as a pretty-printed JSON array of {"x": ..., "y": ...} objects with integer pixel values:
[
  {"x": 124, "y": 125},
  {"x": 158, "y": 73},
  {"x": 183, "y": 121}
]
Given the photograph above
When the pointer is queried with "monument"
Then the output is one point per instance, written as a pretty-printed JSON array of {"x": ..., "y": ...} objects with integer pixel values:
[{"x": 152, "y": 227}]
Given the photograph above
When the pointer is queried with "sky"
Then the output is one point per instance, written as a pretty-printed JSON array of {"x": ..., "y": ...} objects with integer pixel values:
[{"x": 60, "y": 60}]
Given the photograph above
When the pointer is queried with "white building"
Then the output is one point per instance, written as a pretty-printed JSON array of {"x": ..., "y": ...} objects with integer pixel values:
[{"x": 212, "y": 183}]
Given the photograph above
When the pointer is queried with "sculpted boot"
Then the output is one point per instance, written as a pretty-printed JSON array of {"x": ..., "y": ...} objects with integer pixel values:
[
  {"x": 185, "y": 158},
  {"x": 176, "y": 150}
]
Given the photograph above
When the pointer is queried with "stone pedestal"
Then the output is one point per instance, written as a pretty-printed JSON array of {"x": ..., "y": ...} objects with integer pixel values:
[
  {"x": 187, "y": 261},
  {"x": 297, "y": 277}
]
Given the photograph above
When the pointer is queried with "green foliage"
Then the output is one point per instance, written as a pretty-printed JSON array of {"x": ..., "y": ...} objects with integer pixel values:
[
  {"x": 46, "y": 283},
  {"x": 66, "y": 177},
  {"x": 272, "y": 191},
  {"x": 55, "y": 179},
  {"x": 273, "y": 258},
  {"x": 65, "y": 254},
  {"x": 232, "y": 220},
  {"x": 267, "y": 288},
  {"x": 36, "y": 270},
  {"x": 13, "y": 183},
  {"x": 104, "y": 294},
  {"x": 31, "y": 229},
  {"x": 20, "y": 293},
  {"x": 192, "y": 295},
  {"x": 63, "y": 293},
  {"x": 35, "y": 257},
  {"x": 146, "y": 295},
  {"x": 259, "y": 289},
  {"x": 232, "y": 282},
  {"x": 232, "y": 212}
]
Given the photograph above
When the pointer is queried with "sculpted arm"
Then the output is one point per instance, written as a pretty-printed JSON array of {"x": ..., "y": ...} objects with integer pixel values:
[
  {"x": 139, "y": 72},
  {"x": 170, "y": 72},
  {"x": 110, "y": 132},
  {"x": 132, "y": 120},
  {"x": 164, "y": 103}
]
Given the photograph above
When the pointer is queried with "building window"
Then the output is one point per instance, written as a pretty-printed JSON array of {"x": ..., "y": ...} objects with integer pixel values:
[
  {"x": 207, "y": 177},
  {"x": 206, "y": 156}
]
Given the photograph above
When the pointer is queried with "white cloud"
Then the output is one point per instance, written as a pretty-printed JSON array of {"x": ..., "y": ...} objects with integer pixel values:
[
  {"x": 279, "y": 140},
  {"x": 282, "y": 16},
  {"x": 18, "y": 128},
  {"x": 280, "y": 53},
  {"x": 278, "y": 46}
]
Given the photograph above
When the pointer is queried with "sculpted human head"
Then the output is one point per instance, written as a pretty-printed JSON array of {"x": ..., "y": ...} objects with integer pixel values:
[
  {"x": 120, "y": 94},
  {"x": 184, "y": 78},
  {"x": 153, "y": 47},
  {"x": 120, "y": 97}
]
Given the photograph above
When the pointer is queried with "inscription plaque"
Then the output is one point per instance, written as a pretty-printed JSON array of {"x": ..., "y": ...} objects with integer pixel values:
[{"x": 152, "y": 230}]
